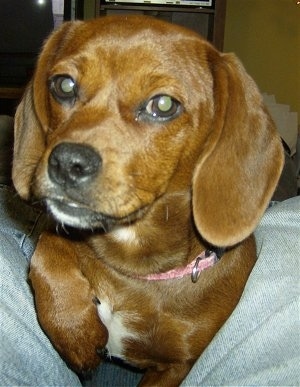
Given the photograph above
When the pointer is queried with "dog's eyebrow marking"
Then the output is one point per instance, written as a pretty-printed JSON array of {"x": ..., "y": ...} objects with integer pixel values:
[{"x": 125, "y": 234}]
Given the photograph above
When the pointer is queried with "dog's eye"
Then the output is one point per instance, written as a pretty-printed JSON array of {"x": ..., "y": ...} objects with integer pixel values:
[
  {"x": 160, "y": 108},
  {"x": 63, "y": 88}
]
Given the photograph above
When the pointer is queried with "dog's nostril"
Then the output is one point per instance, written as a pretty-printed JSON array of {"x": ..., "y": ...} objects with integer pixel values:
[
  {"x": 78, "y": 169},
  {"x": 71, "y": 164}
]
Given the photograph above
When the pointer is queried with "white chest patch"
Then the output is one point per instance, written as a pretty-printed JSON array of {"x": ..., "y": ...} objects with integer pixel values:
[
  {"x": 117, "y": 332},
  {"x": 125, "y": 234}
]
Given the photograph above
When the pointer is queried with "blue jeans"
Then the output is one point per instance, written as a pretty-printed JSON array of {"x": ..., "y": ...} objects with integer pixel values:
[{"x": 258, "y": 345}]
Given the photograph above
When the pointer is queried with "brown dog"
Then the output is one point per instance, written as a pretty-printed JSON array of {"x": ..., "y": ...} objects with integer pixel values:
[{"x": 159, "y": 148}]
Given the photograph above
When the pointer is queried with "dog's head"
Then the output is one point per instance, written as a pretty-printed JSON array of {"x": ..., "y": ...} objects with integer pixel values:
[{"x": 123, "y": 111}]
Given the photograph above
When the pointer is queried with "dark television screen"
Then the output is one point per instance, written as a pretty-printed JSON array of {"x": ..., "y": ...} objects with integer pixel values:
[{"x": 24, "y": 25}]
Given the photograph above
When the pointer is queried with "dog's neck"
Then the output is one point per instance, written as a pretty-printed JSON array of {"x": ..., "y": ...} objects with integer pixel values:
[
  {"x": 202, "y": 262},
  {"x": 165, "y": 238}
]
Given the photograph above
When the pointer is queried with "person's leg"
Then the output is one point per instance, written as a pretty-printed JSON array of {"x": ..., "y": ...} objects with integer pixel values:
[
  {"x": 26, "y": 355},
  {"x": 259, "y": 344}
]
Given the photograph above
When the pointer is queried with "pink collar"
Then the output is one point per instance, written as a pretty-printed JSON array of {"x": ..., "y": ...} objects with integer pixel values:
[{"x": 203, "y": 261}]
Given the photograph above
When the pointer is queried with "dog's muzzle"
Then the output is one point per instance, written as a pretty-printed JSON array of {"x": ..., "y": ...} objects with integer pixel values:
[{"x": 72, "y": 170}]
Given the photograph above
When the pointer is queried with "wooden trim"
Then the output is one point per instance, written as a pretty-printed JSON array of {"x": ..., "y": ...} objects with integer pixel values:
[
  {"x": 219, "y": 24},
  {"x": 11, "y": 92}
]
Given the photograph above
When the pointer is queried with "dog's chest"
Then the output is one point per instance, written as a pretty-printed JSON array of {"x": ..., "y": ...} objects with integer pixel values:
[{"x": 115, "y": 323}]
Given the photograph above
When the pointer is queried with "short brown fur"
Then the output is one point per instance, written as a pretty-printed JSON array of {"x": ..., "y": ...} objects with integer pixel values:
[{"x": 166, "y": 191}]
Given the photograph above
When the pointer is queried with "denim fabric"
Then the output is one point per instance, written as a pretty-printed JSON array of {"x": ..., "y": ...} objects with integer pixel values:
[
  {"x": 26, "y": 356},
  {"x": 21, "y": 221},
  {"x": 259, "y": 344}
]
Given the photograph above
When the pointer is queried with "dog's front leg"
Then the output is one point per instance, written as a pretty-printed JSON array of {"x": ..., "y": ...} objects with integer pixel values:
[
  {"x": 65, "y": 302},
  {"x": 166, "y": 377}
]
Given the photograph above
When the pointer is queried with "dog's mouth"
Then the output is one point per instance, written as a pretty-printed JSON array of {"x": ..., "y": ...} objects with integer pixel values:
[{"x": 79, "y": 216}]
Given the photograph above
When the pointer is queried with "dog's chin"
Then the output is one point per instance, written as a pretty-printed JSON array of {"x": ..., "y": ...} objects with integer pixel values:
[{"x": 77, "y": 216}]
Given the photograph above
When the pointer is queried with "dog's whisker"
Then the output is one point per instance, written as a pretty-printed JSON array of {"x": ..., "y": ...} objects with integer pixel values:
[
  {"x": 57, "y": 229},
  {"x": 37, "y": 202},
  {"x": 61, "y": 226},
  {"x": 65, "y": 229},
  {"x": 167, "y": 212}
]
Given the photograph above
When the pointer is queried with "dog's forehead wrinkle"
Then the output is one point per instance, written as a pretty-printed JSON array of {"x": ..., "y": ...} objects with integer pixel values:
[
  {"x": 138, "y": 38},
  {"x": 146, "y": 42}
]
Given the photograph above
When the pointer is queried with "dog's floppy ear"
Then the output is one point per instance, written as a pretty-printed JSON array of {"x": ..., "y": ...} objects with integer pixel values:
[
  {"x": 234, "y": 180},
  {"x": 28, "y": 144},
  {"x": 31, "y": 119}
]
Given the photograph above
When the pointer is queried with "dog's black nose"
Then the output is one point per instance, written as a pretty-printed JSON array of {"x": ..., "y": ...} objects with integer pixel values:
[{"x": 71, "y": 165}]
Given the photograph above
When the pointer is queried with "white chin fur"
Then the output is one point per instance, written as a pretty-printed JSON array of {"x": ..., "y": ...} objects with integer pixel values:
[{"x": 73, "y": 221}]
